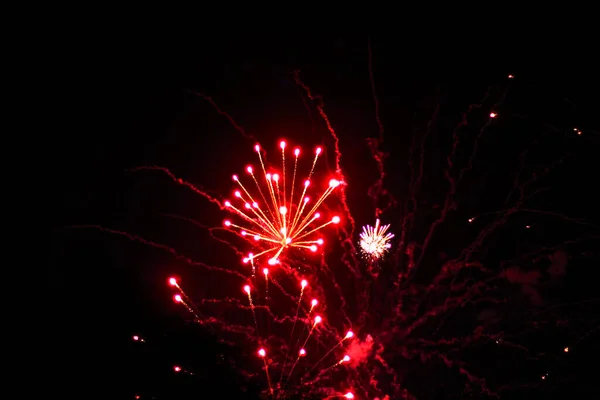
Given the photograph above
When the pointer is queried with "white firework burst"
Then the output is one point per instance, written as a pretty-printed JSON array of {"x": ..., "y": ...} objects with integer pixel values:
[{"x": 374, "y": 241}]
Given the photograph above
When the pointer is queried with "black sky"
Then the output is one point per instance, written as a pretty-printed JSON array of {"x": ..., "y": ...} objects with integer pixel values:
[{"x": 132, "y": 104}]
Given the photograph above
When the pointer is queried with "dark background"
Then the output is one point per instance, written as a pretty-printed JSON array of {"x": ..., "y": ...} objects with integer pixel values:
[{"x": 131, "y": 104}]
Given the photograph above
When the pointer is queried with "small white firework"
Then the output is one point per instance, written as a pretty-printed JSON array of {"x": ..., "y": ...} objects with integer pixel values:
[{"x": 374, "y": 241}]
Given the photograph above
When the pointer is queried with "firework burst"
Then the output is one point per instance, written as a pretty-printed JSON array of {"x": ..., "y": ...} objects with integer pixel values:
[
  {"x": 374, "y": 241},
  {"x": 281, "y": 220},
  {"x": 403, "y": 325}
]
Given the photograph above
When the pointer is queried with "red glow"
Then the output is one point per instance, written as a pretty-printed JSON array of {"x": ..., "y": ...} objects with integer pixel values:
[
  {"x": 177, "y": 298},
  {"x": 247, "y": 289},
  {"x": 349, "y": 335},
  {"x": 177, "y": 368},
  {"x": 303, "y": 283},
  {"x": 136, "y": 338},
  {"x": 349, "y": 395},
  {"x": 262, "y": 352},
  {"x": 172, "y": 281},
  {"x": 314, "y": 302}
]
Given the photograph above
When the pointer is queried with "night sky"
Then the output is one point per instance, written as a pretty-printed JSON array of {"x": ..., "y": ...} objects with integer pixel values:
[{"x": 136, "y": 104}]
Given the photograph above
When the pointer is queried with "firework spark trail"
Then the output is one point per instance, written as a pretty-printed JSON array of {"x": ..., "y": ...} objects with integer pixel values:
[
  {"x": 209, "y": 229},
  {"x": 238, "y": 305},
  {"x": 465, "y": 342},
  {"x": 248, "y": 291},
  {"x": 414, "y": 187},
  {"x": 389, "y": 370},
  {"x": 338, "y": 154},
  {"x": 184, "y": 300},
  {"x": 189, "y": 304},
  {"x": 448, "y": 271},
  {"x": 342, "y": 310},
  {"x": 226, "y": 115},
  {"x": 491, "y": 227},
  {"x": 179, "y": 181},
  {"x": 349, "y": 335},
  {"x": 449, "y": 303},
  {"x": 303, "y": 284},
  {"x": 318, "y": 320},
  {"x": 325, "y": 370},
  {"x": 283, "y": 291},
  {"x": 449, "y": 204},
  {"x": 166, "y": 248},
  {"x": 306, "y": 322},
  {"x": 484, "y": 389},
  {"x": 407, "y": 213},
  {"x": 379, "y": 156},
  {"x": 416, "y": 178},
  {"x": 349, "y": 257},
  {"x": 539, "y": 254},
  {"x": 521, "y": 167},
  {"x": 262, "y": 354}
]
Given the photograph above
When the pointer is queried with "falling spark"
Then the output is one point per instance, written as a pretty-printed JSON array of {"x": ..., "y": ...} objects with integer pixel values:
[
  {"x": 247, "y": 290},
  {"x": 349, "y": 335},
  {"x": 178, "y": 299},
  {"x": 262, "y": 354},
  {"x": 374, "y": 242},
  {"x": 346, "y": 358},
  {"x": 318, "y": 320},
  {"x": 266, "y": 273},
  {"x": 281, "y": 221},
  {"x": 303, "y": 284}
]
